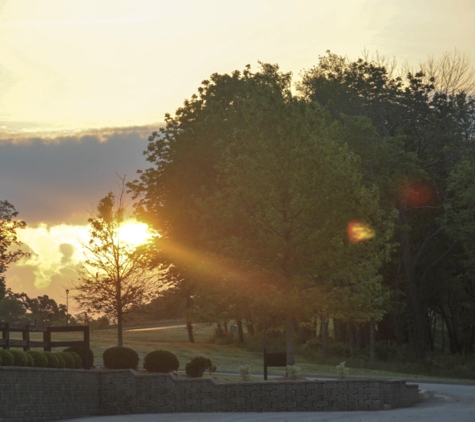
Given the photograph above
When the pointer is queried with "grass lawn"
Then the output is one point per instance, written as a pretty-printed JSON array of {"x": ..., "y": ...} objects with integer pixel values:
[{"x": 227, "y": 358}]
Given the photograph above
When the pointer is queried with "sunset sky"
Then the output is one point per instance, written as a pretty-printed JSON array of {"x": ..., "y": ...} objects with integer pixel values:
[{"x": 84, "y": 82}]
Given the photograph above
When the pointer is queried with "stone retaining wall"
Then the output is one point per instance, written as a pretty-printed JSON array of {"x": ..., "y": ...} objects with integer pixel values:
[
  {"x": 33, "y": 394},
  {"x": 42, "y": 394}
]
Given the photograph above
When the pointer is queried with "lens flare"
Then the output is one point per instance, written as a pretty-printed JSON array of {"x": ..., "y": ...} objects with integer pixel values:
[
  {"x": 418, "y": 194},
  {"x": 359, "y": 232}
]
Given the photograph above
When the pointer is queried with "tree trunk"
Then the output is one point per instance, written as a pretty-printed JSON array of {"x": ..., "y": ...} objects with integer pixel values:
[
  {"x": 250, "y": 326},
  {"x": 240, "y": 331},
  {"x": 119, "y": 330},
  {"x": 420, "y": 329},
  {"x": 358, "y": 336},
  {"x": 454, "y": 343},
  {"x": 324, "y": 333},
  {"x": 372, "y": 343},
  {"x": 225, "y": 324},
  {"x": 443, "y": 336},
  {"x": 189, "y": 324},
  {"x": 189, "y": 328},
  {"x": 338, "y": 326},
  {"x": 351, "y": 339},
  {"x": 289, "y": 340}
]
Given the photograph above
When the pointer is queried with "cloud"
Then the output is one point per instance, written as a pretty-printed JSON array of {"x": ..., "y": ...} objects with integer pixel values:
[
  {"x": 60, "y": 179},
  {"x": 53, "y": 250},
  {"x": 67, "y": 250}
]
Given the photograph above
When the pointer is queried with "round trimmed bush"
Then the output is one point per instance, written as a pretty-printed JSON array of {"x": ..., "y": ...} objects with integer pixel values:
[
  {"x": 77, "y": 359},
  {"x": 7, "y": 358},
  {"x": 82, "y": 353},
  {"x": 39, "y": 358},
  {"x": 161, "y": 361},
  {"x": 29, "y": 360},
  {"x": 19, "y": 358},
  {"x": 61, "y": 361},
  {"x": 68, "y": 360},
  {"x": 52, "y": 359},
  {"x": 120, "y": 357},
  {"x": 197, "y": 366}
]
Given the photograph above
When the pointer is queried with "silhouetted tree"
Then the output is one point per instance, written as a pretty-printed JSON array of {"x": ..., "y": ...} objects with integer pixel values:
[
  {"x": 8, "y": 238},
  {"x": 116, "y": 277}
]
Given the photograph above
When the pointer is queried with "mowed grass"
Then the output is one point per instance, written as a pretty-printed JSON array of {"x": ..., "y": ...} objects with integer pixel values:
[{"x": 227, "y": 358}]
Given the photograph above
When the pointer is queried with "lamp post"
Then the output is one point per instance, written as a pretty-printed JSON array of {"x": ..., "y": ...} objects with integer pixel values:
[{"x": 67, "y": 307}]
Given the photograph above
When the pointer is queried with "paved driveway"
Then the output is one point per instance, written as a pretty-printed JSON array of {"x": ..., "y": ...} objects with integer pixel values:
[{"x": 444, "y": 402}]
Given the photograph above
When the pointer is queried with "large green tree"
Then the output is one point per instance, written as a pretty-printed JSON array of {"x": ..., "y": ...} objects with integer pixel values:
[
  {"x": 257, "y": 178},
  {"x": 8, "y": 239},
  {"x": 421, "y": 133},
  {"x": 288, "y": 191}
]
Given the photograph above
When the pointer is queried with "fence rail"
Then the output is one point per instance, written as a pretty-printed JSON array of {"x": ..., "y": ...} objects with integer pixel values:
[{"x": 47, "y": 344}]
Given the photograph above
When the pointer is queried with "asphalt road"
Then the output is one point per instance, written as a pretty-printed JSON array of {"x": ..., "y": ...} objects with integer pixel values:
[{"x": 443, "y": 403}]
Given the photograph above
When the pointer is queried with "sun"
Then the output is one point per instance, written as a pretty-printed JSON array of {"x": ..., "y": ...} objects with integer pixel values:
[{"x": 135, "y": 233}]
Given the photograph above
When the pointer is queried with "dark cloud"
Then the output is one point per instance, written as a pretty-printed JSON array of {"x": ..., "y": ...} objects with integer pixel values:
[{"x": 59, "y": 180}]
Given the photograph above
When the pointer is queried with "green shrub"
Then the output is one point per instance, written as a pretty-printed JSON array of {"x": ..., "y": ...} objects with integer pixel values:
[
  {"x": 342, "y": 370},
  {"x": 39, "y": 359},
  {"x": 197, "y": 366},
  {"x": 120, "y": 358},
  {"x": 245, "y": 372},
  {"x": 29, "y": 360},
  {"x": 7, "y": 358},
  {"x": 0, "y": 361},
  {"x": 161, "y": 361},
  {"x": 61, "y": 361},
  {"x": 19, "y": 357},
  {"x": 77, "y": 359},
  {"x": 52, "y": 359},
  {"x": 68, "y": 360},
  {"x": 82, "y": 353}
]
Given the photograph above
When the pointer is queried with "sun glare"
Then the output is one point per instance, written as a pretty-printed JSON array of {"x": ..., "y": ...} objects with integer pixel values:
[
  {"x": 135, "y": 233},
  {"x": 55, "y": 249}
]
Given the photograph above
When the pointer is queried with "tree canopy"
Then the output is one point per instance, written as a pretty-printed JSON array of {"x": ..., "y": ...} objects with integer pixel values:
[
  {"x": 116, "y": 277},
  {"x": 8, "y": 239},
  {"x": 262, "y": 185}
]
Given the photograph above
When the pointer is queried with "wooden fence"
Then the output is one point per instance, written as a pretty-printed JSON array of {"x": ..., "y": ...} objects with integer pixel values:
[{"x": 26, "y": 343}]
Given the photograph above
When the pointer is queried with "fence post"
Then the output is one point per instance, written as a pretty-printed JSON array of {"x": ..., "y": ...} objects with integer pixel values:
[
  {"x": 25, "y": 334},
  {"x": 47, "y": 340},
  {"x": 265, "y": 364},
  {"x": 6, "y": 336},
  {"x": 87, "y": 364}
]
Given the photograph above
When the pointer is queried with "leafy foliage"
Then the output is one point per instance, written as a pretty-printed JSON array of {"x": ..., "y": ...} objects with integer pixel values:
[
  {"x": 8, "y": 239},
  {"x": 198, "y": 365},
  {"x": 67, "y": 359},
  {"x": 61, "y": 360},
  {"x": 19, "y": 357},
  {"x": 52, "y": 358},
  {"x": 120, "y": 358},
  {"x": 116, "y": 278},
  {"x": 161, "y": 361},
  {"x": 82, "y": 354},
  {"x": 39, "y": 358},
  {"x": 77, "y": 359},
  {"x": 7, "y": 358},
  {"x": 245, "y": 372}
]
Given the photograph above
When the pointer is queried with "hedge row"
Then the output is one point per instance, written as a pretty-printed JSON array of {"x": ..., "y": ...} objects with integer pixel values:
[
  {"x": 161, "y": 361},
  {"x": 40, "y": 359}
]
